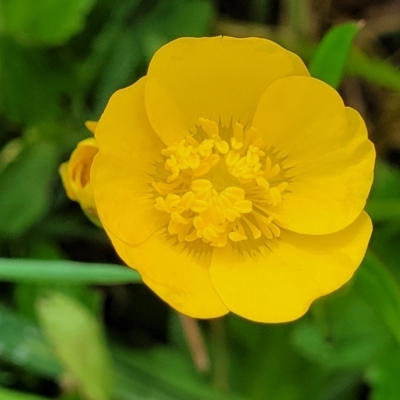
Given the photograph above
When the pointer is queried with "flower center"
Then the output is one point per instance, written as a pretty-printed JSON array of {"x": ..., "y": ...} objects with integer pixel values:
[{"x": 221, "y": 188}]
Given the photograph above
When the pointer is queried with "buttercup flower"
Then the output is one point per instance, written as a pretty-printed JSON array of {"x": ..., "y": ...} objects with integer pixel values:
[
  {"x": 75, "y": 175},
  {"x": 233, "y": 181}
]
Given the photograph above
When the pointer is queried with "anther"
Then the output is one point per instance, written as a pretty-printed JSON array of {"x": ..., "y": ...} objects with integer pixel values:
[
  {"x": 222, "y": 146},
  {"x": 201, "y": 184},
  {"x": 232, "y": 158},
  {"x": 200, "y": 211},
  {"x": 238, "y": 132}
]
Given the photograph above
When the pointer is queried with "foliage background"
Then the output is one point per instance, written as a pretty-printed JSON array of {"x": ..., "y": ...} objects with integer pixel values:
[{"x": 90, "y": 330}]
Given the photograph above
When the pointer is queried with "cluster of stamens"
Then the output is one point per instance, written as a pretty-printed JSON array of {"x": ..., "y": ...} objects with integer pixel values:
[{"x": 215, "y": 190}]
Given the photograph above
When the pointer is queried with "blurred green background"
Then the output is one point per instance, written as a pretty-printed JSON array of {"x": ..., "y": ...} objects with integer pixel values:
[{"x": 89, "y": 330}]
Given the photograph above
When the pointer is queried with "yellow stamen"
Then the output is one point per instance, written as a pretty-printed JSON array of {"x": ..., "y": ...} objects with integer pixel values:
[{"x": 201, "y": 207}]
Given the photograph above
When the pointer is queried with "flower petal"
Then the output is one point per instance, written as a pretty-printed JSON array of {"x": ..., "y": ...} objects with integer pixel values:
[
  {"x": 219, "y": 78},
  {"x": 280, "y": 284},
  {"x": 325, "y": 148},
  {"x": 91, "y": 126},
  {"x": 121, "y": 173},
  {"x": 177, "y": 275}
]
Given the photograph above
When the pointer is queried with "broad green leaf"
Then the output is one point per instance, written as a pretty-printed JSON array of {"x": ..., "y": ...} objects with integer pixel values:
[
  {"x": 172, "y": 19},
  {"x": 6, "y": 394},
  {"x": 79, "y": 343},
  {"x": 22, "y": 344},
  {"x": 118, "y": 22},
  {"x": 29, "y": 70},
  {"x": 25, "y": 188},
  {"x": 384, "y": 201},
  {"x": 42, "y": 271},
  {"x": 263, "y": 363},
  {"x": 27, "y": 294},
  {"x": 379, "y": 289},
  {"x": 341, "y": 332},
  {"x": 386, "y": 182},
  {"x": 120, "y": 68},
  {"x": 384, "y": 375},
  {"x": 385, "y": 246},
  {"x": 163, "y": 374},
  {"x": 330, "y": 57},
  {"x": 44, "y": 22},
  {"x": 71, "y": 396},
  {"x": 384, "y": 209}
]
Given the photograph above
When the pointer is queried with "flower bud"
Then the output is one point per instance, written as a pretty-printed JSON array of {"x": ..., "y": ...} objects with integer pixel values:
[{"x": 75, "y": 175}]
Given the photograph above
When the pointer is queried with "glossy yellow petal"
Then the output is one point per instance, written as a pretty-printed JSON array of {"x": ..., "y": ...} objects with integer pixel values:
[
  {"x": 178, "y": 276},
  {"x": 91, "y": 126},
  {"x": 324, "y": 148},
  {"x": 278, "y": 160},
  {"x": 122, "y": 171},
  {"x": 220, "y": 78},
  {"x": 279, "y": 284}
]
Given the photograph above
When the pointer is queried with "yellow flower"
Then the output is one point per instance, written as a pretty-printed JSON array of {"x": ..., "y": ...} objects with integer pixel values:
[
  {"x": 233, "y": 181},
  {"x": 75, "y": 174}
]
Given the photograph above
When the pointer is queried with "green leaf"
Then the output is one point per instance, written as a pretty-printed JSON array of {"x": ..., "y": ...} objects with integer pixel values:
[
  {"x": 384, "y": 201},
  {"x": 386, "y": 182},
  {"x": 46, "y": 79},
  {"x": 6, "y": 394},
  {"x": 374, "y": 70},
  {"x": 26, "y": 295},
  {"x": 79, "y": 343},
  {"x": 274, "y": 368},
  {"x": 24, "y": 188},
  {"x": 122, "y": 62},
  {"x": 162, "y": 373},
  {"x": 331, "y": 55},
  {"x": 41, "y": 271},
  {"x": 44, "y": 22},
  {"x": 384, "y": 246},
  {"x": 172, "y": 19},
  {"x": 341, "y": 332},
  {"x": 378, "y": 287},
  {"x": 22, "y": 344},
  {"x": 383, "y": 210},
  {"x": 383, "y": 376}
]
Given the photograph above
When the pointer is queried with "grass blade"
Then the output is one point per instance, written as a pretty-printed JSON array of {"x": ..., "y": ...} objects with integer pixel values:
[{"x": 39, "y": 271}]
